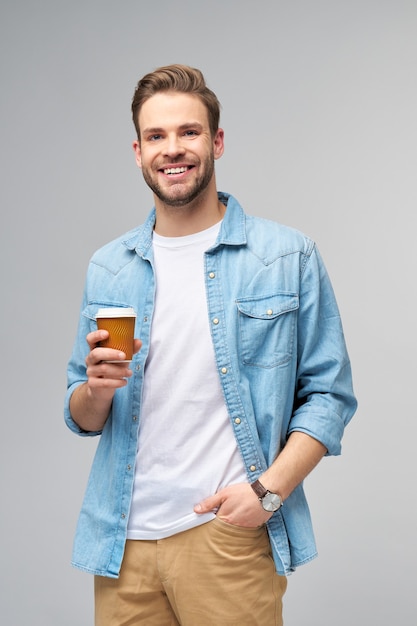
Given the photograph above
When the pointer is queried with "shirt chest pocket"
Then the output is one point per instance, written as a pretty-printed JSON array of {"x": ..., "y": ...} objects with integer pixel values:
[{"x": 267, "y": 328}]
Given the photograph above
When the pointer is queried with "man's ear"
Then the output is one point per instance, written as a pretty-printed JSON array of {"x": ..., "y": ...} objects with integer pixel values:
[
  {"x": 138, "y": 154},
  {"x": 218, "y": 143}
]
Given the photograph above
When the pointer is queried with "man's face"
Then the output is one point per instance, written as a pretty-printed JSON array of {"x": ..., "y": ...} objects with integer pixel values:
[{"x": 177, "y": 151}]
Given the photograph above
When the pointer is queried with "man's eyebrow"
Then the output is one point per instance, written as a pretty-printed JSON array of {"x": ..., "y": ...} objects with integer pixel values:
[
  {"x": 155, "y": 130},
  {"x": 191, "y": 125},
  {"x": 152, "y": 131}
]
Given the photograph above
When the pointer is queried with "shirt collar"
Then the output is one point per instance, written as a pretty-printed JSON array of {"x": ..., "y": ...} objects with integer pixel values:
[{"x": 232, "y": 231}]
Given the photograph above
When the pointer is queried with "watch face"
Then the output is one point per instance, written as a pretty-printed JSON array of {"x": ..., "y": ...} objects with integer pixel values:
[{"x": 271, "y": 502}]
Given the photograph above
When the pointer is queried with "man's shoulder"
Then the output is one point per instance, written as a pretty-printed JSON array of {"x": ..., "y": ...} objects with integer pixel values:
[
  {"x": 124, "y": 246},
  {"x": 265, "y": 233},
  {"x": 273, "y": 235},
  {"x": 118, "y": 252},
  {"x": 114, "y": 244},
  {"x": 121, "y": 241}
]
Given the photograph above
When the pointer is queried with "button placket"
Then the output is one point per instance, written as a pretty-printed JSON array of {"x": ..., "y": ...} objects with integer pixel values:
[{"x": 215, "y": 301}]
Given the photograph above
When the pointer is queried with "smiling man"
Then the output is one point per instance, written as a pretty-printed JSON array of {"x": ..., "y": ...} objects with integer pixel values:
[
  {"x": 177, "y": 160},
  {"x": 240, "y": 383}
]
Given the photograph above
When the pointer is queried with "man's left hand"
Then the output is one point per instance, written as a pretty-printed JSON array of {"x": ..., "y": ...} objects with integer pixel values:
[{"x": 237, "y": 505}]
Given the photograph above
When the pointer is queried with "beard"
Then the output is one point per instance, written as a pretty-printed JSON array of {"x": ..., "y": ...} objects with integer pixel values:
[{"x": 180, "y": 194}]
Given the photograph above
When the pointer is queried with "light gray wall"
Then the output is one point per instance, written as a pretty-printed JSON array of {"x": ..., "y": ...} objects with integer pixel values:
[{"x": 319, "y": 110}]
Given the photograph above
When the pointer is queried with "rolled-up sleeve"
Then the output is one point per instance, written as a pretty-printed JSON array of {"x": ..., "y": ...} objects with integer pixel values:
[
  {"x": 324, "y": 398},
  {"x": 76, "y": 371}
]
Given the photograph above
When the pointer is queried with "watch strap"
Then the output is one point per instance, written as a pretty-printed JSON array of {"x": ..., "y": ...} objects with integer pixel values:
[{"x": 259, "y": 489}]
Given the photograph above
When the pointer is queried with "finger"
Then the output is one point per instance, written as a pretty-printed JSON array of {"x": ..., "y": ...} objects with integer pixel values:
[
  {"x": 107, "y": 383},
  {"x": 104, "y": 374},
  {"x": 102, "y": 355},
  {"x": 137, "y": 344},
  {"x": 208, "y": 504},
  {"x": 94, "y": 338}
]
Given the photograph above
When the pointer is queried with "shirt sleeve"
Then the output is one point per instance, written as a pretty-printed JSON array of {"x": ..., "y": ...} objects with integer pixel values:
[
  {"x": 324, "y": 398},
  {"x": 76, "y": 370}
]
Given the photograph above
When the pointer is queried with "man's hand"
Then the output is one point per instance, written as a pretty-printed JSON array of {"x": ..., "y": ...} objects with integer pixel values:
[
  {"x": 90, "y": 403},
  {"x": 102, "y": 374},
  {"x": 237, "y": 505}
]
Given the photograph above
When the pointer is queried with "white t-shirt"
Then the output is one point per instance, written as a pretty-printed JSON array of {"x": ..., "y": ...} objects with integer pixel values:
[{"x": 186, "y": 448}]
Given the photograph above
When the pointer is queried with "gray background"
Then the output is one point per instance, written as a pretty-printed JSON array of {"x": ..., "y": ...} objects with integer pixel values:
[{"x": 319, "y": 109}]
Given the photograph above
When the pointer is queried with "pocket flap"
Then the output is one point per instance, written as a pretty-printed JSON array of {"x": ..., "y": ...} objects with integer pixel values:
[
  {"x": 268, "y": 307},
  {"x": 90, "y": 311}
]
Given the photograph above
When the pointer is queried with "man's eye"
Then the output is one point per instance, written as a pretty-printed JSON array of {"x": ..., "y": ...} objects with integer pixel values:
[
  {"x": 154, "y": 137},
  {"x": 190, "y": 133}
]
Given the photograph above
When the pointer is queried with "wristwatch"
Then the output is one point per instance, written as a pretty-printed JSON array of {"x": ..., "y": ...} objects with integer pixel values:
[{"x": 270, "y": 501}]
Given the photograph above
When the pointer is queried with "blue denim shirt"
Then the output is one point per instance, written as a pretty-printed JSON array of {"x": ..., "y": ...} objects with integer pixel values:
[{"x": 281, "y": 359}]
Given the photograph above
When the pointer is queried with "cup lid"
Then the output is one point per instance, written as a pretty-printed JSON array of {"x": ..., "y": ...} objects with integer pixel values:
[{"x": 115, "y": 311}]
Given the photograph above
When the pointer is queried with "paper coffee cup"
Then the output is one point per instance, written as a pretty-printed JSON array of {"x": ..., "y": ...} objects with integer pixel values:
[{"x": 120, "y": 323}]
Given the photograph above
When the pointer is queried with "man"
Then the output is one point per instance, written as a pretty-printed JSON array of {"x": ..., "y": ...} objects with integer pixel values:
[{"x": 194, "y": 512}]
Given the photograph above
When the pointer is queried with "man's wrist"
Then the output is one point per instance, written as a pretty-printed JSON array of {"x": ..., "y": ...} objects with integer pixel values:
[{"x": 269, "y": 500}]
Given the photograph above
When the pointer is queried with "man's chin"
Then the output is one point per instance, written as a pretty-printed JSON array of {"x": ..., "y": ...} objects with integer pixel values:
[{"x": 176, "y": 200}]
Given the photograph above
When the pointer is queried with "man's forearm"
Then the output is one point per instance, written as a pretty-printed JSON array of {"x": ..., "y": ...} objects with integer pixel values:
[
  {"x": 301, "y": 455},
  {"x": 90, "y": 410}
]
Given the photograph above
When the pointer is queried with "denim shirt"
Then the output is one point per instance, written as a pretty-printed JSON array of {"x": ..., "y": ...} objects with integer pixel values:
[{"x": 281, "y": 359}]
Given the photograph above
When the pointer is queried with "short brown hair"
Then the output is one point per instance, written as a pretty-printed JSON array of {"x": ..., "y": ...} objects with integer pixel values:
[{"x": 180, "y": 78}]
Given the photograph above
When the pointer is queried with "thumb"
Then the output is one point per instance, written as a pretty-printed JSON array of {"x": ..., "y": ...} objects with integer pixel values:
[
  {"x": 208, "y": 504},
  {"x": 136, "y": 345}
]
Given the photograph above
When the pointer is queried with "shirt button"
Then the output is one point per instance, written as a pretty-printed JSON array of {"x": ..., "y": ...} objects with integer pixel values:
[
  {"x": 135, "y": 418},
  {"x": 129, "y": 467},
  {"x": 137, "y": 367},
  {"x": 123, "y": 515},
  {"x": 253, "y": 468},
  {"x": 215, "y": 321},
  {"x": 269, "y": 312},
  {"x": 237, "y": 420},
  {"x": 224, "y": 370},
  {"x": 212, "y": 275}
]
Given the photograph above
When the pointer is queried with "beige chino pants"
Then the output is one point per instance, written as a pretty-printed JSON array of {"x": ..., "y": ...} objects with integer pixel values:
[{"x": 214, "y": 574}]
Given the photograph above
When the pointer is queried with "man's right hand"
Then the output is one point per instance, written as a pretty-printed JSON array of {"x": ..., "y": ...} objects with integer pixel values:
[
  {"x": 102, "y": 374},
  {"x": 90, "y": 403}
]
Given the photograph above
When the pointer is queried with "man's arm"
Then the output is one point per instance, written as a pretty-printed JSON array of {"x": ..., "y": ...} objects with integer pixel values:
[
  {"x": 299, "y": 457},
  {"x": 239, "y": 505},
  {"x": 324, "y": 402},
  {"x": 91, "y": 402}
]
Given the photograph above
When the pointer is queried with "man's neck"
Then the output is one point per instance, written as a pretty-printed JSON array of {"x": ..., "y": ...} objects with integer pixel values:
[{"x": 191, "y": 218}]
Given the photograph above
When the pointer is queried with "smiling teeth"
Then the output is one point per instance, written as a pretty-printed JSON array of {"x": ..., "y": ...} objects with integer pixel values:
[{"x": 175, "y": 170}]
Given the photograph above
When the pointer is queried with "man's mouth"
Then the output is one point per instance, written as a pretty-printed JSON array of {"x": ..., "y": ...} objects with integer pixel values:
[{"x": 176, "y": 170}]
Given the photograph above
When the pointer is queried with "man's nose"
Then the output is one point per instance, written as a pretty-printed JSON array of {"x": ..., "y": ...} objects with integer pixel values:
[{"x": 173, "y": 146}]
